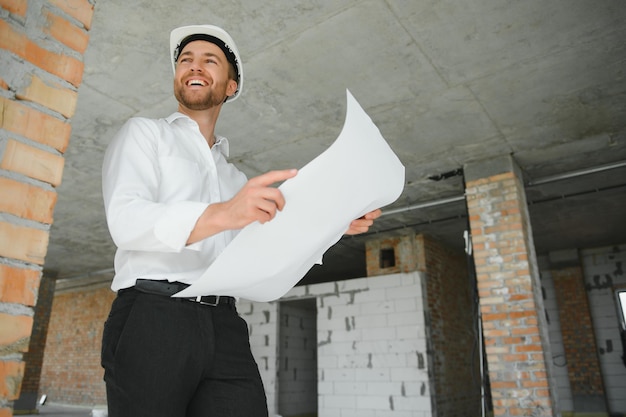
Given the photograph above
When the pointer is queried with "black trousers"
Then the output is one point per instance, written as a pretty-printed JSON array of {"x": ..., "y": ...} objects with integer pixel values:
[{"x": 166, "y": 357}]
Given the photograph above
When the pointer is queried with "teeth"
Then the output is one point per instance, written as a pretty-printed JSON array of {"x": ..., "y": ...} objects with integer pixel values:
[{"x": 196, "y": 82}]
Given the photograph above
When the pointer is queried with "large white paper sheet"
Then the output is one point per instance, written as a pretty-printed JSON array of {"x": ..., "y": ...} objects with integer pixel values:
[{"x": 357, "y": 174}]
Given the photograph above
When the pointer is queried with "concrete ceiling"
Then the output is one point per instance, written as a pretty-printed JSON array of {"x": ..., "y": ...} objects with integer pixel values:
[{"x": 448, "y": 83}]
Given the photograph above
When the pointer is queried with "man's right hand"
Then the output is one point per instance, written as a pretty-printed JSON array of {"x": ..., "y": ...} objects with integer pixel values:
[{"x": 256, "y": 201}]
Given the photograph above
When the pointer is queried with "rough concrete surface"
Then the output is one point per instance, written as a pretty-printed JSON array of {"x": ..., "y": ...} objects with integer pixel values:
[{"x": 448, "y": 84}]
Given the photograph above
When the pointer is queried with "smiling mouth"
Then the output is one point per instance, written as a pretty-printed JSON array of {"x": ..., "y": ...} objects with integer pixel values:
[{"x": 195, "y": 82}]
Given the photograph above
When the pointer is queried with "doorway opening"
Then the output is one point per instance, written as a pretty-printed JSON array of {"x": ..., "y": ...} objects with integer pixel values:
[{"x": 297, "y": 363}]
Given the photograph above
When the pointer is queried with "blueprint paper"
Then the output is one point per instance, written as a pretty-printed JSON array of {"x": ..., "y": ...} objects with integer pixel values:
[{"x": 358, "y": 173}]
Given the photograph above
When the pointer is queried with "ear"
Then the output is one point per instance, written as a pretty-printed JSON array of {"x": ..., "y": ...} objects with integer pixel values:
[{"x": 231, "y": 88}]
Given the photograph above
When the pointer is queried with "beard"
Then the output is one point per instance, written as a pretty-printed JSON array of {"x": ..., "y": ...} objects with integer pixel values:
[{"x": 200, "y": 100}]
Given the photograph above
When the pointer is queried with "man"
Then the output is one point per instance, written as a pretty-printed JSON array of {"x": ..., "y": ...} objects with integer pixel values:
[{"x": 173, "y": 203}]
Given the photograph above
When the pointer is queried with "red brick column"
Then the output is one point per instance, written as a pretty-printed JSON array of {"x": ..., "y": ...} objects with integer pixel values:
[
  {"x": 42, "y": 43},
  {"x": 514, "y": 325},
  {"x": 579, "y": 341}
]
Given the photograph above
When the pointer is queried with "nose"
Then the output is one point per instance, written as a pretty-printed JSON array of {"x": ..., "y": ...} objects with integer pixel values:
[{"x": 195, "y": 66}]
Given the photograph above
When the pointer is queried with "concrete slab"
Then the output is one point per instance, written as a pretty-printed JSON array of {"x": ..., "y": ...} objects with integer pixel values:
[{"x": 447, "y": 83}]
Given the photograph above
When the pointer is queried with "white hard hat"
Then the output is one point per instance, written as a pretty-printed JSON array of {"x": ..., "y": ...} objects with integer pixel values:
[{"x": 183, "y": 35}]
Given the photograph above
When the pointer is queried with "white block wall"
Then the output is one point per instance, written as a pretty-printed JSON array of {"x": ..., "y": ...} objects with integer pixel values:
[
  {"x": 372, "y": 356},
  {"x": 372, "y": 359},
  {"x": 605, "y": 269}
]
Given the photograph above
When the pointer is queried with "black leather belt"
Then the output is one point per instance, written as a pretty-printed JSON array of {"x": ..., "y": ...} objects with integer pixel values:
[{"x": 166, "y": 288}]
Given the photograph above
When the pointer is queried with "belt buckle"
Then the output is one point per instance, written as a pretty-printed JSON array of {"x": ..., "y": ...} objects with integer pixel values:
[{"x": 215, "y": 304}]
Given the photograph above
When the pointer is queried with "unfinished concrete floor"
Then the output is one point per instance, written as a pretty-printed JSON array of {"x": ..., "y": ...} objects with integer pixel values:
[{"x": 60, "y": 410}]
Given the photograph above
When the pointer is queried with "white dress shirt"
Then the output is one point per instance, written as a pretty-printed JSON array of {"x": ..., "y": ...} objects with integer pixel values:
[{"x": 158, "y": 177}]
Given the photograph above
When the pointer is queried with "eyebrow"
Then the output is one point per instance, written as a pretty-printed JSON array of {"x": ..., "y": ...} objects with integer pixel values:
[{"x": 207, "y": 54}]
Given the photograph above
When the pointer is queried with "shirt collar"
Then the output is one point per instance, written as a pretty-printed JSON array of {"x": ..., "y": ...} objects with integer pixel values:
[
  {"x": 221, "y": 143},
  {"x": 175, "y": 116}
]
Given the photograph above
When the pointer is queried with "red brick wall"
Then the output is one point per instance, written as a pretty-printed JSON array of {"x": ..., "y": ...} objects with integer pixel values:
[
  {"x": 35, "y": 110},
  {"x": 579, "y": 341},
  {"x": 517, "y": 345},
  {"x": 403, "y": 249},
  {"x": 71, "y": 372},
  {"x": 452, "y": 332}
]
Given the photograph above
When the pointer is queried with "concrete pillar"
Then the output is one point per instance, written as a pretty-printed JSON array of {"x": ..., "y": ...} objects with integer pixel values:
[
  {"x": 579, "y": 341},
  {"x": 514, "y": 323},
  {"x": 41, "y": 68}
]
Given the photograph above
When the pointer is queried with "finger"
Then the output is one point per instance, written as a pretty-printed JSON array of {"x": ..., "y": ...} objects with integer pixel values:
[
  {"x": 275, "y": 196},
  {"x": 263, "y": 216},
  {"x": 271, "y": 177},
  {"x": 268, "y": 209},
  {"x": 360, "y": 223},
  {"x": 355, "y": 230},
  {"x": 373, "y": 215}
]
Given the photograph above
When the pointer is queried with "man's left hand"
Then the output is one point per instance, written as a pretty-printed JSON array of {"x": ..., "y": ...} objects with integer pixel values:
[{"x": 362, "y": 224}]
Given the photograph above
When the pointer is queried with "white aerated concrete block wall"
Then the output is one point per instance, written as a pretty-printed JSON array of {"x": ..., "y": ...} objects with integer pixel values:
[
  {"x": 371, "y": 346},
  {"x": 605, "y": 271}
]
